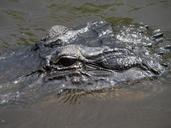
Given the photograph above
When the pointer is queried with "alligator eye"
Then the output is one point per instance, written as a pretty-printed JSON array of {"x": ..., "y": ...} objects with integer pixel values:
[{"x": 65, "y": 61}]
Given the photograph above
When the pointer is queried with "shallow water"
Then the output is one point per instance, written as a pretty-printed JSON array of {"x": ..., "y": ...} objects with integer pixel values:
[{"x": 146, "y": 105}]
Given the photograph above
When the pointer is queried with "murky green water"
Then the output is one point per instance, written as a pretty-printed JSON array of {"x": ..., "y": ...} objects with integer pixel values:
[{"x": 148, "y": 105}]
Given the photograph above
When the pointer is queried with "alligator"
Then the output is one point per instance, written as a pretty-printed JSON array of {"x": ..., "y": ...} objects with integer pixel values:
[{"x": 92, "y": 56}]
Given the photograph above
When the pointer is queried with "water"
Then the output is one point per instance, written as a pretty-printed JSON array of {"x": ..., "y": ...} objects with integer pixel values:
[{"x": 146, "y": 105}]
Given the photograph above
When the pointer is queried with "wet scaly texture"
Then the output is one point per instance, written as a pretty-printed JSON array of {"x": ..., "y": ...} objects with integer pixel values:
[{"x": 87, "y": 58}]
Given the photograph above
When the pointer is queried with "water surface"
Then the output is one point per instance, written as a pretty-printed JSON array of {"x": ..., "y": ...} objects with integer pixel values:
[{"x": 147, "y": 104}]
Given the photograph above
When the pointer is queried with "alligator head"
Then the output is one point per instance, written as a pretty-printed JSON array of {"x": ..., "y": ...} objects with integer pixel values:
[
  {"x": 91, "y": 57},
  {"x": 95, "y": 56}
]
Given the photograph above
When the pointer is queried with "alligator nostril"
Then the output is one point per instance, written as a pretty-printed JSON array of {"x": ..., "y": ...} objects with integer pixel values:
[{"x": 65, "y": 61}]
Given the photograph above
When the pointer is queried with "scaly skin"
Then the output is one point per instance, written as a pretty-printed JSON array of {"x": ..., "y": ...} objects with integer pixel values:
[{"x": 89, "y": 58}]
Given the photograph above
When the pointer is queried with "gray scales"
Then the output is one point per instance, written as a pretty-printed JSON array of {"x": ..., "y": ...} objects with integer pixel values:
[{"x": 90, "y": 57}]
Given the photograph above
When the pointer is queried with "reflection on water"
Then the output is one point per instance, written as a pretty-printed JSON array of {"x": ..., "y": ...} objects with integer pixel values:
[{"x": 144, "y": 105}]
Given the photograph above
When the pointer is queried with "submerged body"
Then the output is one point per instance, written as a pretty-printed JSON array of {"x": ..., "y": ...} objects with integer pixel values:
[{"x": 88, "y": 58}]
